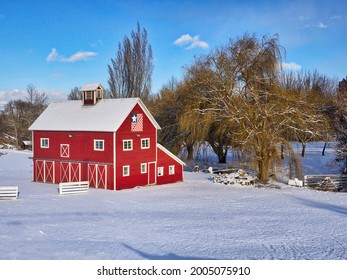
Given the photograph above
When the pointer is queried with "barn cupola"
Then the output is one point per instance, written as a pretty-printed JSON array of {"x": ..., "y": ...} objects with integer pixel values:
[{"x": 92, "y": 93}]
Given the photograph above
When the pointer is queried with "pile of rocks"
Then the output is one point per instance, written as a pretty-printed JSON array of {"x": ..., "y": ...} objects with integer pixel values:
[{"x": 238, "y": 177}]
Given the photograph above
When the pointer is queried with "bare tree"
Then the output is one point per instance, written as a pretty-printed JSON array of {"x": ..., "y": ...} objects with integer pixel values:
[
  {"x": 35, "y": 97},
  {"x": 131, "y": 70},
  {"x": 37, "y": 103},
  {"x": 74, "y": 94},
  {"x": 318, "y": 90},
  {"x": 18, "y": 115},
  {"x": 17, "y": 118}
]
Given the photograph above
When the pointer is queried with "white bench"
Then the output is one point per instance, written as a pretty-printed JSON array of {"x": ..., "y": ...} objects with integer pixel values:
[
  {"x": 73, "y": 187},
  {"x": 10, "y": 192}
]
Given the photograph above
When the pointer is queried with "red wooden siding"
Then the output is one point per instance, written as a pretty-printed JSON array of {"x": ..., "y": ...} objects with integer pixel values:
[
  {"x": 69, "y": 153},
  {"x": 137, "y": 156},
  {"x": 165, "y": 161},
  {"x": 81, "y": 146}
]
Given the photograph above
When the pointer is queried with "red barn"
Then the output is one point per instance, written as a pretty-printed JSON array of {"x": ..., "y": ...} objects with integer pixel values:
[{"x": 112, "y": 143}]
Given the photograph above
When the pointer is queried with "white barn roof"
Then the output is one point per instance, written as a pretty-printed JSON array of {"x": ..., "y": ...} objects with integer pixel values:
[
  {"x": 106, "y": 115},
  {"x": 91, "y": 86}
]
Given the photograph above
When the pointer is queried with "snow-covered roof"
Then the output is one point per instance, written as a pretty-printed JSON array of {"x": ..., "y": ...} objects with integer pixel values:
[
  {"x": 90, "y": 86},
  {"x": 106, "y": 115}
]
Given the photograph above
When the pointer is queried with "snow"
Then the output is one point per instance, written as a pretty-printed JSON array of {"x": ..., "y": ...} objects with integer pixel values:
[{"x": 195, "y": 219}]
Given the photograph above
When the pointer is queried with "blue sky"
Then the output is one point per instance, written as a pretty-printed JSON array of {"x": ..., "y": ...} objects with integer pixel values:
[{"x": 57, "y": 45}]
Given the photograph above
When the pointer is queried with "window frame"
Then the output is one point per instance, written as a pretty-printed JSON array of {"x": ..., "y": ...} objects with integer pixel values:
[
  {"x": 171, "y": 170},
  {"x": 96, "y": 148},
  {"x": 89, "y": 95},
  {"x": 127, "y": 141},
  {"x": 147, "y": 143},
  {"x": 160, "y": 171},
  {"x": 42, "y": 144},
  {"x": 126, "y": 170},
  {"x": 145, "y": 168}
]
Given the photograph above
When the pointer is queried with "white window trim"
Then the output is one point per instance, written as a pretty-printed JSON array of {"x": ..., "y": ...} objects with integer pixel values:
[
  {"x": 145, "y": 165},
  {"x": 124, "y": 168},
  {"x": 44, "y": 146},
  {"x": 171, "y": 170},
  {"x": 161, "y": 171},
  {"x": 103, "y": 145},
  {"x": 131, "y": 143},
  {"x": 148, "y": 141}
]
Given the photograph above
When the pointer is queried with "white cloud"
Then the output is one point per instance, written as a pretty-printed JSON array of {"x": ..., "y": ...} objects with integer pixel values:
[
  {"x": 183, "y": 40},
  {"x": 81, "y": 55},
  {"x": 321, "y": 25},
  {"x": 291, "y": 66},
  {"x": 192, "y": 42},
  {"x": 335, "y": 17},
  {"x": 52, "y": 56},
  {"x": 8, "y": 95},
  {"x": 57, "y": 75},
  {"x": 16, "y": 94},
  {"x": 98, "y": 43}
]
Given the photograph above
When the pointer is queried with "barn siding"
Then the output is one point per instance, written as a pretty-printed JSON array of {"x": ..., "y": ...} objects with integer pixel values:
[
  {"x": 164, "y": 160},
  {"x": 81, "y": 146},
  {"x": 136, "y": 156}
]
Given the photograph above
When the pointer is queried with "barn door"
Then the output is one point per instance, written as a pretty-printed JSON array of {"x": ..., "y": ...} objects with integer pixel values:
[
  {"x": 92, "y": 175},
  {"x": 75, "y": 174},
  {"x": 97, "y": 175},
  {"x": 39, "y": 170},
  {"x": 44, "y": 171},
  {"x": 49, "y": 171},
  {"x": 64, "y": 172},
  {"x": 101, "y": 176},
  {"x": 151, "y": 173}
]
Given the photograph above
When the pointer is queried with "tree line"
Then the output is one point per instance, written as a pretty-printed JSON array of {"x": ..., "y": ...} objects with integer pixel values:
[
  {"x": 17, "y": 115},
  {"x": 237, "y": 97}
]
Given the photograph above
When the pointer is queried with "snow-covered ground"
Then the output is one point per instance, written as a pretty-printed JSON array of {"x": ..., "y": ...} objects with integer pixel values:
[{"x": 194, "y": 219}]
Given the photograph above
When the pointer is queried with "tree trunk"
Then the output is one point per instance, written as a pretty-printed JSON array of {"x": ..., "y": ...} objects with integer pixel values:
[
  {"x": 325, "y": 145},
  {"x": 222, "y": 155},
  {"x": 264, "y": 166},
  {"x": 303, "y": 149},
  {"x": 190, "y": 151},
  {"x": 221, "y": 151}
]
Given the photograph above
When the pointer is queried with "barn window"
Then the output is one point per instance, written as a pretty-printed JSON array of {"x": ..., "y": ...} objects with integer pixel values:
[
  {"x": 89, "y": 95},
  {"x": 64, "y": 150},
  {"x": 126, "y": 170},
  {"x": 98, "y": 145},
  {"x": 44, "y": 142},
  {"x": 160, "y": 171},
  {"x": 143, "y": 168},
  {"x": 127, "y": 145},
  {"x": 171, "y": 170},
  {"x": 145, "y": 143}
]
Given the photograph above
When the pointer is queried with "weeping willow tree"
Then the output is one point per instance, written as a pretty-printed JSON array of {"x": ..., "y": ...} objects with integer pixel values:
[
  {"x": 167, "y": 108},
  {"x": 236, "y": 91}
]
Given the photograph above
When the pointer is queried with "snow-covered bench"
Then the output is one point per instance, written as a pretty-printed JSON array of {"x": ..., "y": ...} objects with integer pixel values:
[
  {"x": 10, "y": 192},
  {"x": 73, "y": 187}
]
